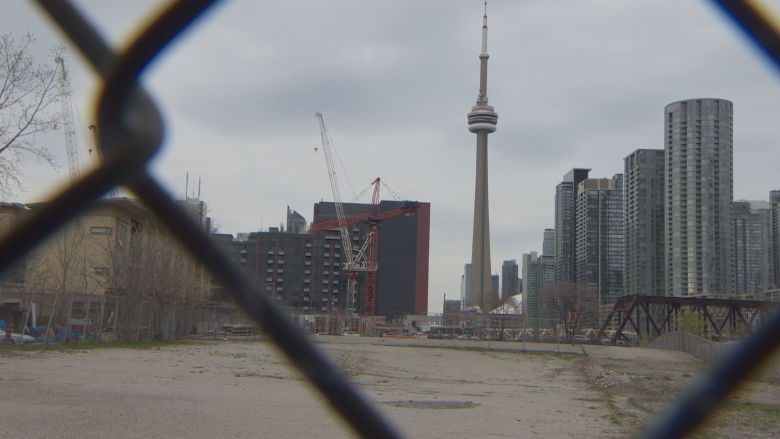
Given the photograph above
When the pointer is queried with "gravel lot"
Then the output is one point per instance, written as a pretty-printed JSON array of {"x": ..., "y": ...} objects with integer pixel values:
[{"x": 244, "y": 389}]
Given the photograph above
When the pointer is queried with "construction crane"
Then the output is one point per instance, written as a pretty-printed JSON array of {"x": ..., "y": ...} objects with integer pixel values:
[
  {"x": 113, "y": 192},
  {"x": 366, "y": 258},
  {"x": 67, "y": 121},
  {"x": 334, "y": 186},
  {"x": 66, "y": 101}
]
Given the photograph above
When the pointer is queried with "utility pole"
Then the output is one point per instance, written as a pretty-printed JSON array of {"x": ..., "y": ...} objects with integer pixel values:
[{"x": 444, "y": 311}]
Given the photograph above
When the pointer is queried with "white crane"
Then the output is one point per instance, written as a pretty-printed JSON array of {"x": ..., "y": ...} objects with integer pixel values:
[
  {"x": 334, "y": 187},
  {"x": 66, "y": 101},
  {"x": 346, "y": 243},
  {"x": 67, "y": 121}
]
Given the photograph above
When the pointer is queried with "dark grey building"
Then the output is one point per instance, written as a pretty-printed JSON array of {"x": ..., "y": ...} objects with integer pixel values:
[
  {"x": 198, "y": 210},
  {"x": 296, "y": 223},
  {"x": 510, "y": 283},
  {"x": 304, "y": 271},
  {"x": 402, "y": 274},
  {"x": 643, "y": 207},
  {"x": 281, "y": 264},
  {"x": 566, "y": 225},
  {"x": 698, "y": 196}
]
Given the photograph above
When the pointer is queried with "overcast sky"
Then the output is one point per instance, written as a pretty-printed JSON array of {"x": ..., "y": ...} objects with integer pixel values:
[{"x": 575, "y": 84}]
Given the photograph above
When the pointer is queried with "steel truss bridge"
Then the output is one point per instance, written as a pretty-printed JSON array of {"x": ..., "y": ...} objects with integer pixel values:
[{"x": 723, "y": 318}]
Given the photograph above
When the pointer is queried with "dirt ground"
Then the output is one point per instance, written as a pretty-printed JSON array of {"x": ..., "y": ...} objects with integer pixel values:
[{"x": 245, "y": 389}]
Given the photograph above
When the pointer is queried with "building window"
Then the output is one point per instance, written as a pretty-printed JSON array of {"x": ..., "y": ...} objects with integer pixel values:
[
  {"x": 102, "y": 271},
  {"x": 100, "y": 230},
  {"x": 122, "y": 228}
]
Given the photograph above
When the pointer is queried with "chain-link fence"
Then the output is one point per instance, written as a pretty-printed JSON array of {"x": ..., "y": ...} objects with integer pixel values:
[
  {"x": 130, "y": 131},
  {"x": 709, "y": 351}
]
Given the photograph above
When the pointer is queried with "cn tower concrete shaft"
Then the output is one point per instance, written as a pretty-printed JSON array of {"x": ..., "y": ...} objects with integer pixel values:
[
  {"x": 482, "y": 121},
  {"x": 481, "y": 279}
]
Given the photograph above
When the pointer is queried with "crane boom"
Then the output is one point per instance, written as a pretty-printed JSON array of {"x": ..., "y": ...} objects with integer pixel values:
[
  {"x": 67, "y": 121},
  {"x": 113, "y": 192},
  {"x": 364, "y": 217},
  {"x": 334, "y": 187}
]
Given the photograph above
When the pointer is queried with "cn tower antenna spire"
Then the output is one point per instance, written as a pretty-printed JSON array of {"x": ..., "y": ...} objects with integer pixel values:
[
  {"x": 484, "y": 30},
  {"x": 483, "y": 56},
  {"x": 482, "y": 121}
]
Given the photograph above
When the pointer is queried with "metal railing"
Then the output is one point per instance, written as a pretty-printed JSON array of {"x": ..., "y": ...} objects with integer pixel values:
[{"x": 130, "y": 134}]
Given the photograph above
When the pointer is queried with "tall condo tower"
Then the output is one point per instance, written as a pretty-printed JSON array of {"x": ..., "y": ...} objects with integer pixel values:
[
  {"x": 699, "y": 192},
  {"x": 566, "y": 225},
  {"x": 643, "y": 223},
  {"x": 482, "y": 121}
]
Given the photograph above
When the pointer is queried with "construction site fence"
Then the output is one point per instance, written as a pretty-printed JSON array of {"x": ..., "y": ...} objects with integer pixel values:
[
  {"x": 51, "y": 316},
  {"x": 711, "y": 351}
]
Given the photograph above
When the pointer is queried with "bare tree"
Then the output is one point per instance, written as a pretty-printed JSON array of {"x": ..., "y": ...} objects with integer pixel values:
[
  {"x": 505, "y": 317},
  {"x": 65, "y": 270},
  {"x": 153, "y": 268},
  {"x": 58, "y": 266},
  {"x": 570, "y": 304},
  {"x": 26, "y": 91}
]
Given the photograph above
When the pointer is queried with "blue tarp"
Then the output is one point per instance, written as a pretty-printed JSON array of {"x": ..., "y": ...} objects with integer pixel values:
[
  {"x": 38, "y": 331},
  {"x": 61, "y": 335}
]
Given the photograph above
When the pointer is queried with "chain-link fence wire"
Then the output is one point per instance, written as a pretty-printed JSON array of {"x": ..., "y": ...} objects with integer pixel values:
[
  {"x": 130, "y": 134},
  {"x": 707, "y": 351}
]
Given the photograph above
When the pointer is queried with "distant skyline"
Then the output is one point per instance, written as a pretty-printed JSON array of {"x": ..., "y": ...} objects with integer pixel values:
[{"x": 577, "y": 84}]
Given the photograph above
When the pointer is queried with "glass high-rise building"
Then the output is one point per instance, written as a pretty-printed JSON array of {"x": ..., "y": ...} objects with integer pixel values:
[
  {"x": 465, "y": 286},
  {"x": 538, "y": 271},
  {"x": 565, "y": 225},
  {"x": 774, "y": 265},
  {"x": 698, "y": 195},
  {"x": 548, "y": 245},
  {"x": 643, "y": 207},
  {"x": 751, "y": 232},
  {"x": 599, "y": 243},
  {"x": 509, "y": 279}
]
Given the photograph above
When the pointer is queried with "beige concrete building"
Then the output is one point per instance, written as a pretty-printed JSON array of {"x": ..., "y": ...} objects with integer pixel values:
[{"x": 83, "y": 255}]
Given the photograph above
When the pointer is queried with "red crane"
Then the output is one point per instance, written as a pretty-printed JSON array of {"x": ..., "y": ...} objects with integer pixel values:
[{"x": 366, "y": 259}]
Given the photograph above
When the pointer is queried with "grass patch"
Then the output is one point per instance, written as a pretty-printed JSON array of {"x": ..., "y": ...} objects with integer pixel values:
[
  {"x": 743, "y": 416},
  {"x": 90, "y": 345},
  {"x": 765, "y": 410}
]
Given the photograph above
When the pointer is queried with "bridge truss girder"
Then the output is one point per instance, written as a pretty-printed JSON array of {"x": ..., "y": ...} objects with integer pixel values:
[{"x": 732, "y": 317}]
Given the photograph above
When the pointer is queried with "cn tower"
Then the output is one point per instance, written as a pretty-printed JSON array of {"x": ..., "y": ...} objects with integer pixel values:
[{"x": 482, "y": 121}]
